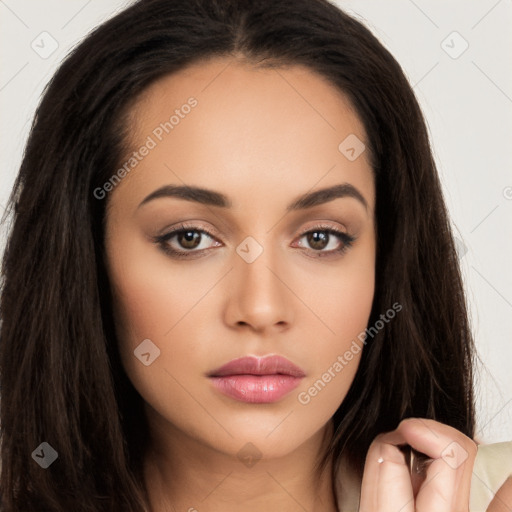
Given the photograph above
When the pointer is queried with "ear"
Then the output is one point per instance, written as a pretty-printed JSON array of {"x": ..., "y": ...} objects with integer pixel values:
[{"x": 502, "y": 501}]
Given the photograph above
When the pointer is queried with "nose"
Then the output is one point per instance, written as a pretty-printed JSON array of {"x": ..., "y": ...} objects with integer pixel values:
[{"x": 258, "y": 296}]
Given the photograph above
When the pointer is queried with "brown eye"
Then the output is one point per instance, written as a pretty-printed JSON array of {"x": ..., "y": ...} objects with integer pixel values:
[
  {"x": 186, "y": 242},
  {"x": 189, "y": 239},
  {"x": 318, "y": 239},
  {"x": 326, "y": 241}
]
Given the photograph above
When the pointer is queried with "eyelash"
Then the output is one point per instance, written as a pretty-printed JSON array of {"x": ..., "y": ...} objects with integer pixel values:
[{"x": 162, "y": 240}]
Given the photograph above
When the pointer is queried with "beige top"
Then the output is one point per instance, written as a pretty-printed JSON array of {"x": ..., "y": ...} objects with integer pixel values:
[{"x": 493, "y": 465}]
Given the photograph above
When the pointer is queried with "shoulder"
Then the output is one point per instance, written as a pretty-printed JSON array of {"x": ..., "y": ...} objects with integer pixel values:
[
  {"x": 492, "y": 473},
  {"x": 502, "y": 502}
]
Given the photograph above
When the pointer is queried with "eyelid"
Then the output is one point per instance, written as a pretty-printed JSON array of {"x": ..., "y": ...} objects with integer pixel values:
[
  {"x": 184, "y": 225},
  {"x": 322, "y": 225}
]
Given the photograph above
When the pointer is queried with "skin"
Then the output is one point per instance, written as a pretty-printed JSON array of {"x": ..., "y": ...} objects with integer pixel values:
[
  {"x": 502, "y": 501},
  {"x": 263, "y": 138}
]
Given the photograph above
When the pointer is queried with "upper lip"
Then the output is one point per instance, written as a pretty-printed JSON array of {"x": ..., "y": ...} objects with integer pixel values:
[{"x": 251, "y": 365}]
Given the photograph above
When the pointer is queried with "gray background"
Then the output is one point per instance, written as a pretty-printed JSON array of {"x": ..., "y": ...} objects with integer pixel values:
[{"x": 465, "y": 93}]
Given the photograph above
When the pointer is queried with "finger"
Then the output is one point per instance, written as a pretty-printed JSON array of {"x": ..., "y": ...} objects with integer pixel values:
[
  {"x": 439, "y": 490},
  {"x": 448, "y": 479},
  {"x": 418, "y": 464},
  {"x": 386, "y": 484}
]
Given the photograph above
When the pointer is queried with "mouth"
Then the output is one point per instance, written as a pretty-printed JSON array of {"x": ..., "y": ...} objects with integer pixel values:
[{"x": 257, "y": 380}]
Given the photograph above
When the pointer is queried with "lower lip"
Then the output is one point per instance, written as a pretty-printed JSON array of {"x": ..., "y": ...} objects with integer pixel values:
[{"x": 256, "y": 389}]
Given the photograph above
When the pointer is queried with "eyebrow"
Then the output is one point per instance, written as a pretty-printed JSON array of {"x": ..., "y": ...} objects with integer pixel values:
[{"x": 213, "y": 198}]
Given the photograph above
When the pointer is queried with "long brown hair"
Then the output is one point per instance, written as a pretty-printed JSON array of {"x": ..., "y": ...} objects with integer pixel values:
[{"x": 61, "y": 380}]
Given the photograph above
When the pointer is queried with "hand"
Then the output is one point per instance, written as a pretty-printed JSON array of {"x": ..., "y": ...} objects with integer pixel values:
[{"x": 388, "y": 486}]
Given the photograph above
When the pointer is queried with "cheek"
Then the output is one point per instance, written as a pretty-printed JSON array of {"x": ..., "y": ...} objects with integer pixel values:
[
  {"x": 345, "y": 302},
  {"x": 150, "y": 297},
  {"x": 159, "y": 300},
  {"x": 341, "y": 295},
  {"x": 334, "y": 357},
  {"x": 342, "y": 302},
  {"x": 153, "y": 303}
]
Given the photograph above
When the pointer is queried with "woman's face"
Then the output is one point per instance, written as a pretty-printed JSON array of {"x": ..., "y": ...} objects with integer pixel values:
[{"x": 263, "y": 143}]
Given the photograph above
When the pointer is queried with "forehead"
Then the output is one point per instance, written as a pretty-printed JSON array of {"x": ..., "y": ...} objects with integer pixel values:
[
  {"x": 232, "y": 89},
  {"x": 249, "y": 126}
]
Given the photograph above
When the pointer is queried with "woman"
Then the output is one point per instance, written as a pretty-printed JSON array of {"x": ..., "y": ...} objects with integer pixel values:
[{"x": 233, "y": 274}]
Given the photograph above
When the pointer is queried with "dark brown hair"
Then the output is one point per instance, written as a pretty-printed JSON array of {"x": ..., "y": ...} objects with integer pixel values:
[{"x": 61, "y": 379}]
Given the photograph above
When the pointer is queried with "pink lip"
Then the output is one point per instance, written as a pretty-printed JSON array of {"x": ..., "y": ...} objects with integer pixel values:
[{"x": 257, "y": 380}]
